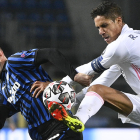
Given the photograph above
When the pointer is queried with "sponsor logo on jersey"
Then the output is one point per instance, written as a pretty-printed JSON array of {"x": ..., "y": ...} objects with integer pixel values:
[{"x": 132, "y": 36}]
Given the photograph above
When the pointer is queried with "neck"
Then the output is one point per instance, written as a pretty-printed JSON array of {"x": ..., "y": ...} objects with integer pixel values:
[{"x": 123, "y": 25}]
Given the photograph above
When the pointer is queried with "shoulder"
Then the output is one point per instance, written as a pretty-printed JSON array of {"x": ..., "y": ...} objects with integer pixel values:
[
  {"x": 23, "y": 54},
  {"x": 128, "y": 36},
  {"x": 125, "y": 39},
  {"x": 117, "y": 48}
]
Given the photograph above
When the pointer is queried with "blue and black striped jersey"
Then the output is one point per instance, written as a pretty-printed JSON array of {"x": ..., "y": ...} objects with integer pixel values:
[{"x": 18, "y": 74}]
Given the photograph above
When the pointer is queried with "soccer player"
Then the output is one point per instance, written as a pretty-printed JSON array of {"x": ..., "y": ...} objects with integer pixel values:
[
  {"x": 17, "y": 74},
  {"x": 121, "y": 57}
]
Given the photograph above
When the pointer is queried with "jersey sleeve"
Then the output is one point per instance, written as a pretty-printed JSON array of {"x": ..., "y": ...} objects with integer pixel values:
[
  {"x": 57, "y": 59},
  {"x": 85, "y": 68},
  {"x": 115, "y": 53},
  {"x": 107, "y": 78}
]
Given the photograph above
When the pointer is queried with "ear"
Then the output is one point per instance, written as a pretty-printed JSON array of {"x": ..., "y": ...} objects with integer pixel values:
[{"x": 119, "y": 20}]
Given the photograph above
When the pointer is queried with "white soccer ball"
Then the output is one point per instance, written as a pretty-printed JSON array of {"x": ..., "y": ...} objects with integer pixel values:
[{"x": 60, "y": 92}]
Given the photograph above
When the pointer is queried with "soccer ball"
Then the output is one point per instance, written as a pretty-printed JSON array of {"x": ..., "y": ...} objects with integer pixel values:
[{"x": 60, "y": 92}]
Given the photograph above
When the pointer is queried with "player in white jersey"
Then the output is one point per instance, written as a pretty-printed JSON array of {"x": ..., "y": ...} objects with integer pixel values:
[{"x": 121, "y": 56}]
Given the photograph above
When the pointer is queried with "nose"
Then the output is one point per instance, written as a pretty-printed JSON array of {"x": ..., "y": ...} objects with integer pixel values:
[{"x": 101, "y": 31}]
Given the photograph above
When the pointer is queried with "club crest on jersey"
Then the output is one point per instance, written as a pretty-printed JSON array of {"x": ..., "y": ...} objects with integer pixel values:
[{"x": 23, "y": 55}]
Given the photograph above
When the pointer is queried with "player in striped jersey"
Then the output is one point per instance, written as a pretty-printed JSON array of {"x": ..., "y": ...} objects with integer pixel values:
[{"x": 17, "y": 74}]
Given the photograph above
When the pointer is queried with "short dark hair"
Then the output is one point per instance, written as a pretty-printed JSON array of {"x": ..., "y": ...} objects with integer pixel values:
[{"x": 109, "y": 10}]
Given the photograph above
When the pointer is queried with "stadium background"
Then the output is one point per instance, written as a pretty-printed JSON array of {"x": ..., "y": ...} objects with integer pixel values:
[{"x": 66, "y": 25}]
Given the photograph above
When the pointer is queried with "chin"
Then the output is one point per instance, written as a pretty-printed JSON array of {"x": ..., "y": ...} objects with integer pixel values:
[{"x": 108, "y": 42}]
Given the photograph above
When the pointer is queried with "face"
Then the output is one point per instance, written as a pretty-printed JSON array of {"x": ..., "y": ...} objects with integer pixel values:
[{"x": 108, "y": 29}]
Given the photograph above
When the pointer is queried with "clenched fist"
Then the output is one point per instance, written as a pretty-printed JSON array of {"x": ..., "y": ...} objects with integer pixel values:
[{"x": 83, "y": 79}]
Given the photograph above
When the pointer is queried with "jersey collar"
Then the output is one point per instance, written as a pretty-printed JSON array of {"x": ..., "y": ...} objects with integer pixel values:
[{"x": 125, "y": 29}]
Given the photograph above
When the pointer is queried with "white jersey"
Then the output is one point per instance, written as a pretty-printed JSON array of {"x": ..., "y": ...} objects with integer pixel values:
[{"x": 122, "y": 56}]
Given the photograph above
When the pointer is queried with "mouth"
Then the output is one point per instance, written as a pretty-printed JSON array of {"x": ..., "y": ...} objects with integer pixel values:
[{"x": 106, "y": 39}]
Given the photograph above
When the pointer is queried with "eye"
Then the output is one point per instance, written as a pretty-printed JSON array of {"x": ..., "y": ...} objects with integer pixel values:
[{"x": 104, "y": 25}]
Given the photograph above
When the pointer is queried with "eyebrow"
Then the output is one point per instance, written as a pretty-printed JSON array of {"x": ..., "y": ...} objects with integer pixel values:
[{"x": 102, "y": 25}]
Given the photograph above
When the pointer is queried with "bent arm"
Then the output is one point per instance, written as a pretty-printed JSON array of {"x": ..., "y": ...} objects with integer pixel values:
[
  {"x": 55, "y": 57},
  {"x": 107, "y": 78}
]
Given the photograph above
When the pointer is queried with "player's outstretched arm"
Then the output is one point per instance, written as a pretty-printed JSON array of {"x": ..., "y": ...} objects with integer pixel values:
[{"x": 58, "y": 59}]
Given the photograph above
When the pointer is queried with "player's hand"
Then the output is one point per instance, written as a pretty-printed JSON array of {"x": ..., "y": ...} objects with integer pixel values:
[
  {"x": 38, "y": 87},
  {"x": 83, "y": 79}
]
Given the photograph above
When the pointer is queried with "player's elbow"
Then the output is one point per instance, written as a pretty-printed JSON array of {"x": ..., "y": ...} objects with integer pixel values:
[{"x": 54, "y": 50}]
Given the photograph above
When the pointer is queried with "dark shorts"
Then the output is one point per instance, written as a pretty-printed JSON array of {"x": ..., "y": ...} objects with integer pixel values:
[{"x": 55, "y": 130}]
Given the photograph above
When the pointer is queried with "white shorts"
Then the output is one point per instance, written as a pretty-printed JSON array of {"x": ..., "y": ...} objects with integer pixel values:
[{"x": 134, "y": 116}]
